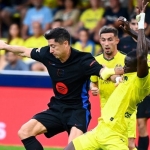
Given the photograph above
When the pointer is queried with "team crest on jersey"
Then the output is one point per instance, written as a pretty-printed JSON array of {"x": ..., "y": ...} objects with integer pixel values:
[
  {"x": 127, "y": 115},
  {"x": 60, "y": 72},
  {"x": 125, "y": 78}
]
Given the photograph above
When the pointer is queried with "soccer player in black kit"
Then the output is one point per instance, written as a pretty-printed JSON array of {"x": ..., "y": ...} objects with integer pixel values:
[{"x": 70, "y": 70}]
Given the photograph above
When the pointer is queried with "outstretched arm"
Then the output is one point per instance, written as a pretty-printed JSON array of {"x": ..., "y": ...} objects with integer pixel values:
[
  {"x": 142, "y": 50},
  {"x": 21, "y": 50}
]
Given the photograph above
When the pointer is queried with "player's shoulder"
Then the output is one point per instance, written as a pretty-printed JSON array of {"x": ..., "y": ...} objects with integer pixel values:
[
  {"x": 122, "y": 53},
  {"x": 41, "y": 50}
]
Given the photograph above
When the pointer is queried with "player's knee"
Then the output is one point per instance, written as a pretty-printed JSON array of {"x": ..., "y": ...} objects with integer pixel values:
[
  {"x": 70, "y": 146},
  {"x": 142, "y": 128},
  {"x": 23, "y": 132}
]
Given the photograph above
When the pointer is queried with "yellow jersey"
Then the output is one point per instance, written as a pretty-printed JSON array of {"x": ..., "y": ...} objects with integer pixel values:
[
  {"x": 16, "y": 41},
  {"x": 91, "y": 47},
  {"x": 107, "y": 87},
  {"x": 34, "y": 42},
  {"x": 123, "y": 102},
  {"x": 91, "y": 17}
]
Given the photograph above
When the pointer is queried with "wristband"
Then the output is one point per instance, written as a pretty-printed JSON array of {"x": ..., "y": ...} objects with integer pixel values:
[
  {"x": 107, "y": 72},
  {"x": 141, "y": 19},
  {"x": 117, "y": 79}
]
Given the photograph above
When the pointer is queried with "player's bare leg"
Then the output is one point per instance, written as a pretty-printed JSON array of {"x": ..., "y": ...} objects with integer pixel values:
[
  {"x": 74, "y": 132},
  {"x": 28, "y": 132},
  {"x": 143, "y": 141},
  {"x": 70, "y": 146}
]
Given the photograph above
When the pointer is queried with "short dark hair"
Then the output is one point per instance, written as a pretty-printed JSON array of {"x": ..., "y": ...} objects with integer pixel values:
[
  {"x": 108, "y": 29},
  {"x": 59, "y": 34},
  {"x": 132, "y": 16},
  {"x": 83, "y": 29},
  {"x": 132, "y": 55}
]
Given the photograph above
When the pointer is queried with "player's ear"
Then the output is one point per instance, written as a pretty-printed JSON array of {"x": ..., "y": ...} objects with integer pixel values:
[
  {"x": 66, "y": 43},
  {"x": 117, "y": 40}
]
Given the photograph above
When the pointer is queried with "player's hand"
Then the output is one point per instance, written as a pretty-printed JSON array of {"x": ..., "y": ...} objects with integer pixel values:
[
  {"x": 141, "y": 7},
  {"x": 2, "y": 44},
  {"x": 124, "y": 24},
  {"x": 119, "y": 70},
  {"x": 94, "y": 91}
]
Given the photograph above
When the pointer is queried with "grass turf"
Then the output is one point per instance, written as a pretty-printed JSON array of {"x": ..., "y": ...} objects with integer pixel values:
[{"x": 21, "y": 148}]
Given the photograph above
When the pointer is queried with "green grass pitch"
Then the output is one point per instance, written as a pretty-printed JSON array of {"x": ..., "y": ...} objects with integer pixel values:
[{"x": 21, "y": 148}]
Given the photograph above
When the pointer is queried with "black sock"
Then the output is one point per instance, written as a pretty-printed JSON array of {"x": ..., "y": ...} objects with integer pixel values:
[
  {"x": 143, "y": 143},
  {"x": 31, "y": 143}
]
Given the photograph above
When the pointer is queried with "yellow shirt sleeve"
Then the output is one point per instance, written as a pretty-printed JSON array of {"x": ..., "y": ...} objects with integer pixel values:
[{"x": 94, "y": 79}]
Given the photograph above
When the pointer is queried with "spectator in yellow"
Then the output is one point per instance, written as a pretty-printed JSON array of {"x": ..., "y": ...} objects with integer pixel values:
[
  {"x": 90, "y": 17},
  {"x": 14, "y": 38},
  {"x": 37, "y": 40},
  {"x": 53, "y": 4},
  {"x": 70, "y": 16},
  {"x": 85, "y": 44}
]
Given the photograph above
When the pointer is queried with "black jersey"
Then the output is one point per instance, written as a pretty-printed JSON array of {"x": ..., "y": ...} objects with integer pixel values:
[
  {"x": 127, "y": 44},
  {"x": 70, "y": 79}
]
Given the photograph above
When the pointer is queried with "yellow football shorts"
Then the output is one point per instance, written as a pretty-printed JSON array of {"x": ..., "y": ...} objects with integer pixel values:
[{"x": 101, "y": 137}]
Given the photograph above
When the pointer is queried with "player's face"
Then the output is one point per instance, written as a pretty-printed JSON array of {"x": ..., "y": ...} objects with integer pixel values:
[
  {"x": 57, "y": 49},
  {"x": 109, "y": 43},
  {"x": 130, "y": 65},
  {"x": 134, "y": 25}
]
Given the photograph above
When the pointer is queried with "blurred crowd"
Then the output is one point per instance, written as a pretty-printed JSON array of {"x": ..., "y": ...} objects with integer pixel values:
[{"x": 23, "y": 22}]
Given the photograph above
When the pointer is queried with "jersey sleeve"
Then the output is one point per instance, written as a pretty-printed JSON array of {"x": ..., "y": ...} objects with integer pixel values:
[
  {"x": 39, "y": 53},
  {"x": 90, "y": 66}
]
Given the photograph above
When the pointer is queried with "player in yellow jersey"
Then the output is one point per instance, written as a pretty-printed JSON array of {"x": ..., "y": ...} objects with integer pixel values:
[
  {"x": 143, "y": 110},
  {"x": 111, "y": 57},
  {"x": 111, "y": 131}
]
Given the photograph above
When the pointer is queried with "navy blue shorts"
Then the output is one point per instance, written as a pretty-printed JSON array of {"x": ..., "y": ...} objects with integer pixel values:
[
  {"x": 59, "y": 118},
  {"x": 143, "y": 110}
]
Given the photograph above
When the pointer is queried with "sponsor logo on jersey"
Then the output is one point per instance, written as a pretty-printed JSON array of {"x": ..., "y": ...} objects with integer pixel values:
[{"x": 61, "y": 88}]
